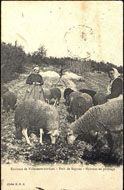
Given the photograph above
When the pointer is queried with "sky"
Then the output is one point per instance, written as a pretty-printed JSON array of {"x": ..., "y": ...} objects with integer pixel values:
[{"x": 90, "y": 29}]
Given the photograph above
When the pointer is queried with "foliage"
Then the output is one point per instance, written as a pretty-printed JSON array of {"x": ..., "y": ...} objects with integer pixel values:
[
  {"x": 80, "y": 66},
  {"x": 104, "y": 67},
  {"x": 13, "y": 59},
  {"x": 38, "y": 55}
]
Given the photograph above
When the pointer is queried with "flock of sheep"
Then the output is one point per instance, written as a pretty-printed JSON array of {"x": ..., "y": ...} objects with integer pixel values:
[{"x": 91, "y": 112}]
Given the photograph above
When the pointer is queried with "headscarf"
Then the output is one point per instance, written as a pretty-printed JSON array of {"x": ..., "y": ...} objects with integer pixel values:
[
  {"x": 36, "y": 68},
  {"x": 116, "y": 75}
]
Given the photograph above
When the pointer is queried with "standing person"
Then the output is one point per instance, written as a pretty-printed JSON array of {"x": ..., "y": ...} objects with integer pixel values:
[
  {"x": 60, "y": 77},
  {"x": 35, "y": 82},
  {"x": 61, "y": 72},
  {"x": 116, "y": 87}
]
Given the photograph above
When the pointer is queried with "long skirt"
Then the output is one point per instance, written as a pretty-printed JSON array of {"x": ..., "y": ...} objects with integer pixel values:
[{"x": 35, "y": 92}]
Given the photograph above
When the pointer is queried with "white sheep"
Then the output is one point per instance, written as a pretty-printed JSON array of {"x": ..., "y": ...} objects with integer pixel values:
[
  {"x": 109, "y": 114},
  {"x": 53, "y": 93},
  {"x": 35, "y": 114}
]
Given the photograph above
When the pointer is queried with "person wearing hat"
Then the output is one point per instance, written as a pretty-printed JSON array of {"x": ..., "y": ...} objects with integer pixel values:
[
  {"x": 115, "y": 87},
  {"x": 35, "y": 82}
]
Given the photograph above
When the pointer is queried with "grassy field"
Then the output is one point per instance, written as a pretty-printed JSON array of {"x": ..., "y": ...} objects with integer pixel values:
[{"x": 14, "y": 150}]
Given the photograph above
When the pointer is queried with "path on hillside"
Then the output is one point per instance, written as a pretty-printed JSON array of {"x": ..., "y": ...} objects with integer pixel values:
[{"x": 19, "y": 86}]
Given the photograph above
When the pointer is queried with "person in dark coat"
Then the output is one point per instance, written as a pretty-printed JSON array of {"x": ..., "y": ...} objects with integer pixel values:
[
  {"x": 35, "y": 82},
  {"x": 61, "y": 72},
  {"x": 115, "y": 88}
]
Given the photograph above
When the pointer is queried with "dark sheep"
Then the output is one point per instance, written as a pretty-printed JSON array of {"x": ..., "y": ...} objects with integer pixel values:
[
  {"x": 56, "y": 94},
  {"x": 71, "y": 92},
  {"x": 9, "y": 101},
  {"x": 72, "y": 96},
  {"x": 90, "y": 92},
  {"x": 99, "y": 98},
  {"x": 53, "y": 93},
  {"x": 67, "y": 92},
  {"x": 80, "y": 104}
]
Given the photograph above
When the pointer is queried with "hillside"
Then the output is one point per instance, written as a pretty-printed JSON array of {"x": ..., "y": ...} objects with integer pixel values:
[
  {"x": 14, "y": 60},
  {"x": 14, "y": 150}
]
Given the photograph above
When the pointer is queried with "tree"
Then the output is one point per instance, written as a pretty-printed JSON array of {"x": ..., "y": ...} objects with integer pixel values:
[
  {"x": 39, "y": 55},
  {"x": 13, "y": 59}
]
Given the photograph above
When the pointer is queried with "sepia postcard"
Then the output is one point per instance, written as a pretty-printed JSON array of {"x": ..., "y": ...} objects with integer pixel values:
[{"x": 62, "y": 95}]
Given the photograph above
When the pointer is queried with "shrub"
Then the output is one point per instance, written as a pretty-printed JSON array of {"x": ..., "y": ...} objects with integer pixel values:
[{"x": 13, "y": 59}]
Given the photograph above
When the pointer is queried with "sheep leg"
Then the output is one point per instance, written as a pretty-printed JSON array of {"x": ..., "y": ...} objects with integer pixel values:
[
  {"x": 75, "y": 117},
  {"x": 48, "y": 101},
  {"x": 7, "y": 117},
  {"x": 55, "y": 103},
  {"x": 24, "y": 132},
  {"x": 41, "y": 133}
]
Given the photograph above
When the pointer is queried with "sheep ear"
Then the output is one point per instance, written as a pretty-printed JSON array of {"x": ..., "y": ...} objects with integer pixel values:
[
  {"x": 57, "y": 132},
  {"x": 69, "y": 132}
]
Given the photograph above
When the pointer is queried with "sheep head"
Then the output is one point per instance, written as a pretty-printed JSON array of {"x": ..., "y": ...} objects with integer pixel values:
[
  {"x": 67, "y": 100},
  {"x": 53, "y": 135},
  {"x": 70, "y": 136}
]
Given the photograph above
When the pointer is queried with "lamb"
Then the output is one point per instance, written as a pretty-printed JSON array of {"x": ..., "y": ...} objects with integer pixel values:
[
  {"x": 99, "y": 98},
  {"x": 90, "y": 92},
  {"x": 108, "y": 114},
  {"x": 80, "y": 104},
  {"x": 36, "y": 115},
  {"x": 9, "y": 101},
  {"x": 53, "y": 93}
]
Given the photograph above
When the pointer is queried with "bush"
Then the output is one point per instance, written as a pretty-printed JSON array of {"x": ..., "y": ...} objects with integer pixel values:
[
  {"x": 13, "y": 59},
  {"x": 38, "y": 56}
]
